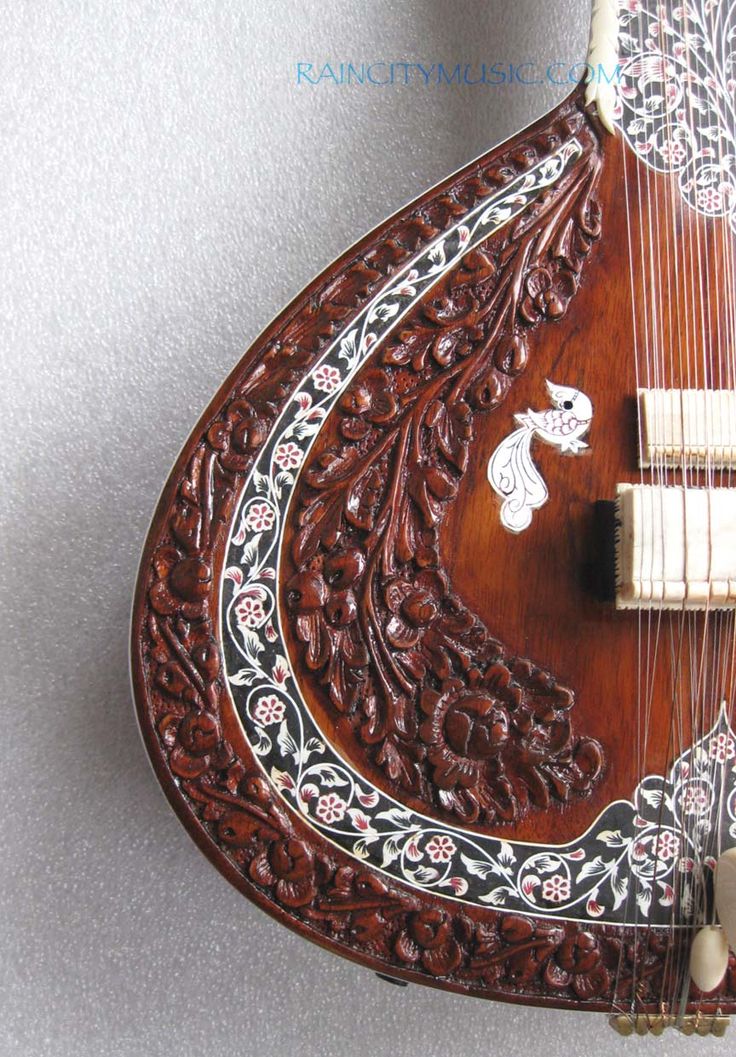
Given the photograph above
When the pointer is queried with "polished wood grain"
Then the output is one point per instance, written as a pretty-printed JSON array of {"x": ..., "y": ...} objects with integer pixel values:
[{"x": 543, "y": 605}]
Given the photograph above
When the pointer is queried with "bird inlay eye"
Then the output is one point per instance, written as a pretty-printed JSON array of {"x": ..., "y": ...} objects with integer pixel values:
[{"x": 567, "y": 405}]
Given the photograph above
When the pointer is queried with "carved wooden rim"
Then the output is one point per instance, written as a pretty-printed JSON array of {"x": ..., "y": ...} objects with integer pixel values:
[{"x": 196, "y": 745}]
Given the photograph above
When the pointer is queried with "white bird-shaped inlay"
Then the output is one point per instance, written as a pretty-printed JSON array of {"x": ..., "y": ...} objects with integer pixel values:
[{"x": 511, "y": 470}]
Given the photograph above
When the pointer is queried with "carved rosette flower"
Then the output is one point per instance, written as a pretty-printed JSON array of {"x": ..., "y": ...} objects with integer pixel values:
[
  {"x": 433, "y": 938},
  {"x": 414, "y": 606},
  {"x": 466, "y": 728},
  {"x": 578, "y": 964},
  {"x": 238, "y": 435},
  {"x": 370, "y": 402},
  {"x": 546, "y": 297},
  {"x": 289, "y": 865},
  {"x": 182, "y": 584},
  {"x": 196, "y": 743}
]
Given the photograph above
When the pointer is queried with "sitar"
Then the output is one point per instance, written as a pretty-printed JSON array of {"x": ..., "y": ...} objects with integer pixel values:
[{"x": 433, "y": 639}]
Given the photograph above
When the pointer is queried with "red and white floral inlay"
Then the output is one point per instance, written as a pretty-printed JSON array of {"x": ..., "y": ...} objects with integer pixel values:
[
  {"x": 722, "y": 748},
  {"x": 556, "y": 889},
  {"x": 260, "y": 517},
  {"x": 440, "y": 848},
  {"x": 650, "y": 852},
  {"x": 330, "y": 808},
  {"x": 249, "y": 611},
  {"x": 268, "y": 709},
  {"x": 288, "y": 456},
  {"x": 327, "y": 379}
]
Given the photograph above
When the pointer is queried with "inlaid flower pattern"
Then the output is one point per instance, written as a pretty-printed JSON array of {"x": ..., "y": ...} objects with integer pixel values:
[
  {"x": 556, "y": 889},
  {"x": 330, "y": 808},
  {"x": 440, "y": 848},
  {"x": 268, "y": 709},
  {"x": 288, "y": 456},
  {"x": 249, "y": 611},
  {"x": 722, "y": 747},
  {"x": 326, "y": 379},
  {"x": 666, "y": 846},
  {"x": 260, "y": 517}
]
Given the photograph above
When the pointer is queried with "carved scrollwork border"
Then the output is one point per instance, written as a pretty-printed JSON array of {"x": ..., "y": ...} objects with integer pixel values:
[{"x": 185, "y": 713}]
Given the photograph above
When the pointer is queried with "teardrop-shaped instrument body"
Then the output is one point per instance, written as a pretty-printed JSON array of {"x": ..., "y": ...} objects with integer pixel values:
[{"x": 404, "y": 726}]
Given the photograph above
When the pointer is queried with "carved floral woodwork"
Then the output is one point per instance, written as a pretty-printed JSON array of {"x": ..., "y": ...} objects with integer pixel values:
[
  {"x": 368, "y": 592},
  {"x": 434, "y": 699}
]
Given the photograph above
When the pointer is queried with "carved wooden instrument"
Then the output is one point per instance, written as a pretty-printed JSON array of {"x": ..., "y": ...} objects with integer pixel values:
[{"x": 433, "y": 641}]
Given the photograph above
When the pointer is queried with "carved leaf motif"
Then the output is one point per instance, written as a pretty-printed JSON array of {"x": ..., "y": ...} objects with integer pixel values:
[
  {"x": 236, "y": 812},
  {"x": 383, "y": 491}
]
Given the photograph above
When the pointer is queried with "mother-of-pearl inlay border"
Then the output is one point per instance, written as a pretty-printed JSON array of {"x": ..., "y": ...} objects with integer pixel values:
[{"x": 657, "y": 839}]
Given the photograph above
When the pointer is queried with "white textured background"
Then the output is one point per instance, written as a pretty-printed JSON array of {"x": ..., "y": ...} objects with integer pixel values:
[{"x": 165, "y": 187}]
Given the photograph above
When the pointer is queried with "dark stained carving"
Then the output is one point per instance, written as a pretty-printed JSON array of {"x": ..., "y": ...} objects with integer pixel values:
[
  {"x": 480, "y": 713},
  {"x": 433, "y": 698}
]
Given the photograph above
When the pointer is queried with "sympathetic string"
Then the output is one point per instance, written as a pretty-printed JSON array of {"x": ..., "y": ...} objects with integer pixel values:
[{"x": 683, "y": 328}]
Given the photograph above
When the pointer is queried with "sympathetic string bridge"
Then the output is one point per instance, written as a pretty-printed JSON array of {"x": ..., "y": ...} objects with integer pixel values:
[
  {"x": 676, "y": 540},
  {"x": 687, "y": 428}
]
